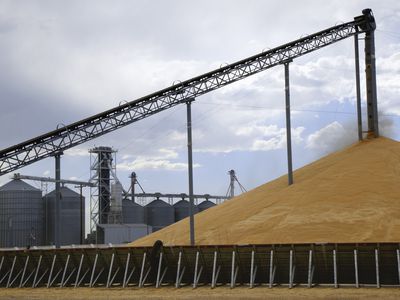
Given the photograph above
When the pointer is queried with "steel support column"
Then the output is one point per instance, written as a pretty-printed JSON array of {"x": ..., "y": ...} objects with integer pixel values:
[
  {"x": 190, "y": 169},
  {"x": 358, "y": 89},
  {"x": 57, "y": 216},
  {"x": 370, "y": 70},
  {"x": 288, "y": 125}
]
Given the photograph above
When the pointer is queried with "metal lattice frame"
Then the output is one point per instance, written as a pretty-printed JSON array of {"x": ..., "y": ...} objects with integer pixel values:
[
  {"x": 263, "y": 266},
  {"x": 96, "y": 163},
  {"x": 77, "y": 133}
]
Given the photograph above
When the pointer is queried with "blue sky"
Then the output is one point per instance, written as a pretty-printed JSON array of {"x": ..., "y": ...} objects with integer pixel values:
[{"x": 62, "y": 61}]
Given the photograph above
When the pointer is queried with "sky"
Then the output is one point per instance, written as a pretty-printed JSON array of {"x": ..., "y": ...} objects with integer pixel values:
[{"x": 62, "y": 61}]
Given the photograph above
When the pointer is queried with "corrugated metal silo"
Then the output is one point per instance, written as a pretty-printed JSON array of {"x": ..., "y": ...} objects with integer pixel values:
[
  {"x": 181, "y": 209},
  {"x": 205, "y": 205},
  {"x": 132, "y": 213},
  {"x": 21, "y": 215},
  {"x": 70, "y": 212},
  {"x": 159, "y": 214}
]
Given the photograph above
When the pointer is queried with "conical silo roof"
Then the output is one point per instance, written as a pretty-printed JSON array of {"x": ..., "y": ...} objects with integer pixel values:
[{"x": 18, "y": 185}]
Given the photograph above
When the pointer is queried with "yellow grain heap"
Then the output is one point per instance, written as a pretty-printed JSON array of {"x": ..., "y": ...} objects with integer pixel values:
[{"x": 350, "y": 196}]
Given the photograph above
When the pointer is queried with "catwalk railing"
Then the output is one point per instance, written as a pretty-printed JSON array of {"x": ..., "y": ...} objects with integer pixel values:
[
  {"x": 66, "y": 137},
  {"x": 358, "y": 265}
]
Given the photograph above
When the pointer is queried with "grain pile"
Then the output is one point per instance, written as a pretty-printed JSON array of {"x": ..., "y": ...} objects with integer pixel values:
[{"x": 350, "y": 196}]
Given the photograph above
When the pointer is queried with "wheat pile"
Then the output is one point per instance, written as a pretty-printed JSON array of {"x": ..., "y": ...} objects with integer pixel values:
[{"x": 349, "y": 196}]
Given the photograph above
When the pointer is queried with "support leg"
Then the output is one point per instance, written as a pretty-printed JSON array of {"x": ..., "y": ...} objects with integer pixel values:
[
  {"x": 288, "y": 125},
  {"x": 358, "y": 89},
  {"x": 190, "y": 170}
]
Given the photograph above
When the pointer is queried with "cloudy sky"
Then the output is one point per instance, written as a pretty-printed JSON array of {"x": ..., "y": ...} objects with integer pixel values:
[{"x": 62, "y": 61}]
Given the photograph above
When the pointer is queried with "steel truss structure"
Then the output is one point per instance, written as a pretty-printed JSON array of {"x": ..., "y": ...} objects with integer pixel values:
[
  {"x": 264, "y": 266},
  {"x": 74, "y": 134}
]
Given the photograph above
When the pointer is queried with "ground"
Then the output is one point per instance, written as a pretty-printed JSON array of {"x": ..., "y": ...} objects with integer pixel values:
[{"x": 200, "y": 293}]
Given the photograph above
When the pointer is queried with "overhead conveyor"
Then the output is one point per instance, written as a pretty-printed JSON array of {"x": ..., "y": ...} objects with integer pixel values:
[{"x": 55, "y": 142}]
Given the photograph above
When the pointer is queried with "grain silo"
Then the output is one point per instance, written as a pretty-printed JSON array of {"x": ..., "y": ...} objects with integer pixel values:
[
  {"x": 181, "y": 209},
  {"x": 159, "y": 214},
  {"x": 205, "y": 205},
  {"x": 70, "y": 213},
  {"x": 21, "y": 215},
  {"x": 132, "y": 213}
]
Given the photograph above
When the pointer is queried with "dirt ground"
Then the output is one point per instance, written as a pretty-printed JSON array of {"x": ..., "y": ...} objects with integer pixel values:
[{"x": 201, "y": 293}]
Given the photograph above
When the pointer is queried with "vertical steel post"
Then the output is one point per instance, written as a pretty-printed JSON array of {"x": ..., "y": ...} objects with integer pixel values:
[
  {"x": 178, "y": 270},
  {"x": 358, "y": 89},
  {"x": 310, "y": 273},
  {"x": 190, "y": 170},
  {"x": 290, "y": 268},
  {"x": 335, "y": 269},
  {"x": 133, "y": 183},
  {"x": 110, "y": 270},
  {"x": 23, "y": 273},
  {"x": 142, "y": 270},
  {"x": 252, "y": 270},
  {"x": 370, "y": 72},
  {"x": 398, "y": 262},
  {"x": 356, "y": 267},
  {"x": 79, "y": 270},
  {"x": 11, "y": 271},
  {"x": 271, "y": 269},
  {"x": 233, "y": 270},
  {"x": 126, "y": 269},
  {"x": 37, "y": 271},
  {"x": 195, "y": 278},
  {"x": 51, "y": 270},
  {"x": 57, "y": 216},
  {"x": 93, "y": 270},
  {"x": 159, "y": 270},
  {"x": 213, "y": 279},
  {"x": 378, "y": 283},
  {"x": 288, "y": 125},
  {"x": 65, "y": 271},
  {"x": 232, "y": 183},
  {"x": 82, "y": 215}
]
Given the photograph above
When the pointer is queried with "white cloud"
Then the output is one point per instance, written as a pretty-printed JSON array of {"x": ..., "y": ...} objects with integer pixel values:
[
  {"x": 46, "y": 173},
  {"x": 154, "y": 164},
  {"x": 332, "y": 137},
  {"x": 279, "y": 141},
  {"x": 77, "y": 152},
  {"x": 162, "y": 159}
]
